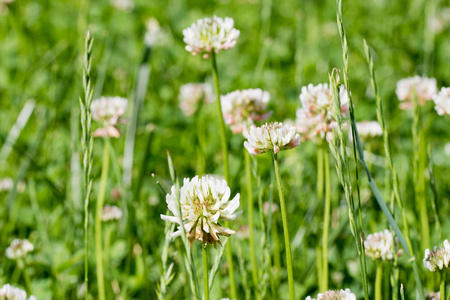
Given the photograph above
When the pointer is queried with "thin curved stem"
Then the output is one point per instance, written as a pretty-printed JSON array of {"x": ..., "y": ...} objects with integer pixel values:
[
  {"x": 442, "y": 285},
  {"x": 285, "y": 228},
  {"x": 98, "y": 222}
]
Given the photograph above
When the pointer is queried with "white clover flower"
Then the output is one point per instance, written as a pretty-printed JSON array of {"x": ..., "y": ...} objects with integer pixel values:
[
  {"x": 153, "y": 32},
  {"x": 204, "y": 202},
  {"x": 19, "y": 249},
  {"x": 123, "y": 5},
  {"x": 6, "y": 184},
  {"x": 335, "y": 295},
  {"x": 111, "y": 213},
  {"x": 439, "y": 259},
  {"x": 442, "y": 101},
  {"x": 108, "y": 111},
  {"x": 271, "y": 137},
  {"x": 380, "y": 245},
  {"x": 8, "y": 292},
  {"x": 424, "y": 88},
  {"x": 191, "y": 94},
  {"x": 208, "y": 35},
  {"x": 316, "y": 117},
  {"x": 433, "y": 296},
  {"x": 367, "y": 129},
  {"x": 241, "y": 108}
]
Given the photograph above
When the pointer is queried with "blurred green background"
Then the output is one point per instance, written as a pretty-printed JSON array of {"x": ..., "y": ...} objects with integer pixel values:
[{"x": 283, "y": 45}]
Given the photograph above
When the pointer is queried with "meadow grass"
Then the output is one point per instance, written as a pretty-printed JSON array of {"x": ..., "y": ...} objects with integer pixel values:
[{"x": 62, "y": 176}]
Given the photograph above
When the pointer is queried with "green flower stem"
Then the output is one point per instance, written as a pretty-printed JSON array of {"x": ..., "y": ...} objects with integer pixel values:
[
  {"x": 419, "y": 153},
  {"x": 98, "y": 222},
  {"x": 108, "y": 234},
  {"x": 326, "y": 219},
  {"x": 285, "y": 228},
  {"x": 320, "y": 182},
  {"x": 248, "y": 174},
  {"x": 221, "y": 121},
  {"x": 226, "y": 167},
  {"x": 442, "y": 285},
  {"x": 378, "y": 281},
  {"x": 26, "y": 277},
  {"x": 205, "y": 272}
]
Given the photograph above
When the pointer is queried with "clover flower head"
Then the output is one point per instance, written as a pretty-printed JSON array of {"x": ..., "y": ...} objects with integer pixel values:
[
  {"x": 335, "y": 295},
  {"x": 367, "y": 130},
  {"x": 111, "y": 213},
  {"x": 315, "y": 117},
  {"x": 273, "y": 136},
  {"x": 191, "y": 94},
  {"x": 153, "y": 32},
  {"x": 6, "y": 184},
  {"x": 204, "y": 202},
  {"x": 108, "y": 111},
  {"x": 123, "y": 5},
  {"x": 208, "y": 35},
  {"x": 19, "y": 249},
  {"x": 433, "y": 296},
  {"x": 241, "y": 108},
  {"x": 422, "y": 87},
  {"x": 442, "y": 101},
  {"x": 380, "y": 245},
  {"x": 439, "y": 259},
  {"x": 8, "y": 292}
]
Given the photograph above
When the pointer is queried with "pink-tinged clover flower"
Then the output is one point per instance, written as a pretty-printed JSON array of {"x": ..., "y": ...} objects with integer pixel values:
[
  {"x": 108, "y": 110},
  {"x": 208, "y": 35},
  {"x": 191, "y": 94},
  {"x": 271, "y": 137},
  {"x": 204, "y": 203},
  {"x": 243, "y": 107},
  {"x": 111, "y": 213},
  {"x": 315, "y": 118},
  {"x": 421, "y": 87}
]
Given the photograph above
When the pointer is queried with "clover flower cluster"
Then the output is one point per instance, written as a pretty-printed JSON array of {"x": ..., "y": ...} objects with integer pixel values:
[
  {"x": 207, "y": 35},
  {"x": 6, "y": 184},
  {"x": 8, "y": 292},
  {"x": 204, "y": 202},
  {"x": 442, "y": 101},
  {"x": 335, "y": 295},
  {"x": 439, "y": 259},
  {"x": 152, "y": 33},
  {"x": 368, "y": 129},
  {"x": 243, "y": 107},
  {"x": 421, "y": 87},
  {"x": 315, "y": 118},
  {"x": 380, "y": 245},
  {"x": 191, "y": 94},
  {"x": 273, "y": 136},
  {"x": 19, "y": 249},
  {"x": 111, "y": 213},
  {"x": 108, "y": 111}
]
